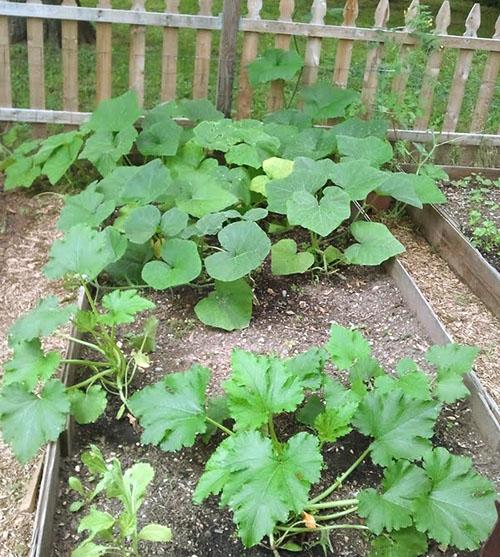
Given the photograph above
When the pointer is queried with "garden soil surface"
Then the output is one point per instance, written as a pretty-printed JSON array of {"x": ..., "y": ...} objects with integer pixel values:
[{"x": 290, "y": 316}]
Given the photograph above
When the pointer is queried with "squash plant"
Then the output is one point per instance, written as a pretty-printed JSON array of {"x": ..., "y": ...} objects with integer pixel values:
[
  {"x": 266, "y": 478},
  {"x": 209, "y": 204}
]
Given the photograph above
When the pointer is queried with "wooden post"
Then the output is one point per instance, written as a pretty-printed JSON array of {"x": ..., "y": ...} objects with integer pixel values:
[
  {"x": 5, "y": 78},
  {"x": 202, "y": 56},
  {"x": 103, "y": 47},
  {"x": 248, "y": 54},
  {"x": 275, "y": 99},
  {"x": 169, "y": 56},
  {"x": 373, "y": 59},
  {"x": 313, "y": 46},
  {"x": 36, "y": 65},
  {"x": 69, "y": 54},
  {"x": 401, "y": 79},
  {"x": 344, "y": 48},
  {"x": 462, "y": 70},
  {"x": 137, "y": 55},
  {"x": 432, "y": 70}
]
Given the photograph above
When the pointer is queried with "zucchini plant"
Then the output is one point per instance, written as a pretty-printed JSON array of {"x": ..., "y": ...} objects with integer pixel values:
[
  {"x": 209, "y": 204},
  {"x": 265, "y": 476},
  {"x": 117, "y": 535}
]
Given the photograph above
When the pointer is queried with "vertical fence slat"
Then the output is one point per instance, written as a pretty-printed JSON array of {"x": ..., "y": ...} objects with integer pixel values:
[
  {"x": 69, "y": 55},
  {"x": 462, "y": 70},
  {"x": 104, "y": 50},
  {"x": 313, "y": 46},
  {"x": 202, "y": 56},
  {"x": 344, "y": 48},
  {"x": 248, "y": 54},
  {"x": 487, "y": 88},
  {"x": 400, "y": 81},
  {"x": 275, "y": 99},
  {"x": 169, "y": 56},
  {"x": 36, "y": 65},
  {"x": 227, "y": 55},
  {"x": 137, "y": 55},
  {"x": 5, "y": 77},
  {"x": 373, "y": 59},
  {"x": 433, "y": 67}
]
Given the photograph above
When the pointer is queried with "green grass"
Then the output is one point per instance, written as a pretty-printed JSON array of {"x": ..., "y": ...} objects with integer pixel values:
[{"x": 154, "y": 36}]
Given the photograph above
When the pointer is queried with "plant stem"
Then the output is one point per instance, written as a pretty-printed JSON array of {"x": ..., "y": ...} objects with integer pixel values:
[
  {"x": 272, "y": 433},
  {"x": 341, "y": 478},
  {"x": 334, "y": 516},
  {"x": 92, "y": 379},
  {"x": 329, "y": 527},
  {"x": 333, "y": 504},
  {"x": 220, "y": 426},
  {"x": 83, "y": 343},
  {"x": 85, "y": 363}
]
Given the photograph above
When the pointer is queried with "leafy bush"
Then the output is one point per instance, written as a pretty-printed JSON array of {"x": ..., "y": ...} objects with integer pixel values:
[
  {"x": 205, "y": 203},
  {"x": 120, "y": 533},
  {"x": 265, "y": 479}
]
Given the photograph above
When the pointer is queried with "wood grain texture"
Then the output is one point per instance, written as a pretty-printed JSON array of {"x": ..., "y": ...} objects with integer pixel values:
[
  {"x": 36, "y": 63},
  {"x": 227, "y": 55},
  {"x": 137, "y": 55},
  {"x": 432, "y": 70},
  {"x": 104, "y": 56},
  {"x": 169, "y": 56},
  {"x": 344, "y": 48},
  {"x": 248, "y": 55},
  {"x": 5, "y": 76},
  {"x": 313, "y": 46},
  {"x": 202, "y": 55},
  {"x": 69, "y": 56},
  {"x": 275, "y": 99}
]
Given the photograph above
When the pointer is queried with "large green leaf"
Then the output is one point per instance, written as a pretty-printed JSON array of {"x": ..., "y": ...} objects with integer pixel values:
[
  {"x": 141, "y": 223},
  {"x": 172, "y": 412},
  {"x": 358, "y": 178},
  {"x": 87, "y": 405},
  {"x": 322, "y": 100},
  {"x": 321, "y": 217},
  {"x": 346, "y": 346},
  {"x": 259, "y": 387},
  {"x": 29, "y": 421},
  {"x": 127, "y": 270},
  {"x": 173, "y": 222},
  {"x": 376, "y": 244},
  {"x": 452, "y": 361},
  {"x": 245, "y": 245},
  {"x": 244, "y": 154},
  {"x": 355, "y": 127},
  {"x": 160, "y": 139},
  {"x": 41, "y": 321},
  {"x": 115, "y": 114},
  {"x": 193, "y": 109},
  {"x": 459, "y": 510},
  {"x": 88, "y": 207},
  {"x": 122, "y": 306},
  {"x": 315, "y": 143},
  {"x": 286, "y": 261},
  {"x": 391, "y": 508},
  {"x": 83, "y": 252},
  {"x": 401, "y": 426},
  {"x": 403, "y": 543},
  {"x": 62, "y": 157},
  {"x": 334, "y": 423},
  {"x": 212, "y": 223},
  {"x": 400, "y": 186},
  {"x": 372, "y": 149},
  {"x": 308, "y": 367},
  {"x": 146, "y": 184},
  {"x": 273, "y": 64},
  {"x": 219, "y": 135},
  {"x": 30, "y": 364},
  {"x": 181, "y": 264},
  {"x": 105, "y": 148},
  {"x": 229, "y": 307}
]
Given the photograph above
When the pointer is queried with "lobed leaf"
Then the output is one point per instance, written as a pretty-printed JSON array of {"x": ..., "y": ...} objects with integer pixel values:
[
  {"x": 122, "y": 306},
  {"x": 286, "y": 261},
  {"x": 375, "y": 244}
]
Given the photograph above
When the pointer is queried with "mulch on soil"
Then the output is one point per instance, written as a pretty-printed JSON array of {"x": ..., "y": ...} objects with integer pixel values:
[{"x": 291, "y": 315}]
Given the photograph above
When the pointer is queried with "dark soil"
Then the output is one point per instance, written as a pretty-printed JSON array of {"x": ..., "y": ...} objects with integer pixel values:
[
  {"x": 469, "y": 195},
  {"x": 291, "y": 316}
]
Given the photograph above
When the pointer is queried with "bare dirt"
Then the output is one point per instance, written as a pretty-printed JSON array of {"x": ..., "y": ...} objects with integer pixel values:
[{"x": 291, "y": 315}]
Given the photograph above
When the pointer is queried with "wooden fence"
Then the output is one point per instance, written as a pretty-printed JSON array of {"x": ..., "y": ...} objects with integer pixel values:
[{"x": 229, "y": 25}]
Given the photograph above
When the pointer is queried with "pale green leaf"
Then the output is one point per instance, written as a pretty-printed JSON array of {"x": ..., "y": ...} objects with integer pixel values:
[
  {"x": 87, "y": 405},
  {"x": 273, "y": 64},
  {"x": 376, "y": 151},
  {"x": 346, "y": 346},
  {"x": 115, "y": 114},
  {"x": 323, "y": 100},
  {"x": 155, "y": 533},
  {"x": 141, "y": 223},
  {"x": 160, "y": 139},
  {"x": 357, "y": 178},
  {"x": 376, "y": 244},
  {"x": 122, "y": 306},
  {"x": 286, "y": 261},
  {"x": 88, "y": 207}
]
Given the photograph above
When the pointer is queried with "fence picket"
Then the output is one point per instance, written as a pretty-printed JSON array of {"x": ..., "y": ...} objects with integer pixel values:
[
  {"x": 5, "y": 77},
  {"x": 431, "y": 73},
  {"x": 401, "y": 80},
  {"x": 69, "y": 55},
  {"x": 137, "y": 54},
  {"x": 104, "y": 50},
  {"x": 373, "y": 59},
  {"x": 313, "y": 46},
  {"x": 487, "y": 88},
  {"x": 169, "y": 55},
  {"x": 36, "y": 65},
  {"x": 461, "y": 75},
  {"x": 275, "y": 99},
  {"x": 344, "y": 48},
  {"x": 248, "y": 54},
  {"x": 202, "y": 56}
]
